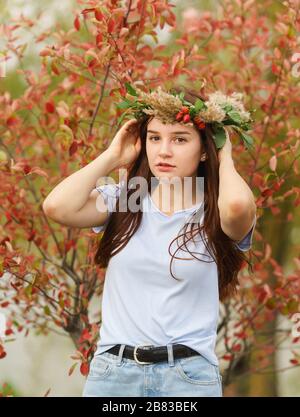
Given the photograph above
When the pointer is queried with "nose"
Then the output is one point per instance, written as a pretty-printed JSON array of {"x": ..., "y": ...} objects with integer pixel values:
[{"x": 165, "y": 149}]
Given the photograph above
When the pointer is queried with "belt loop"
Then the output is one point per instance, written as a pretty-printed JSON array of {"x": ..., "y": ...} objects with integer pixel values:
[
  {"x": 170, "y": 354},
  {"x": 120, "y": 355}
]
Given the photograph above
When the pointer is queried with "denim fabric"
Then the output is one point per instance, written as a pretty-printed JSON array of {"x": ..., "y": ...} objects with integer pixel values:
[{"x": 115, "y": 376}]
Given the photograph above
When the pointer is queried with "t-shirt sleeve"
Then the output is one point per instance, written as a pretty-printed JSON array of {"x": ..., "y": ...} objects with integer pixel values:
[
  {"x": 110, "y": 193},
  {"x": 246, "y": 243}
]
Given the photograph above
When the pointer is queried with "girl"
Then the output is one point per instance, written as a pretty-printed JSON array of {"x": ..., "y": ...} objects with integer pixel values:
[{"x": 160, "y": 315}]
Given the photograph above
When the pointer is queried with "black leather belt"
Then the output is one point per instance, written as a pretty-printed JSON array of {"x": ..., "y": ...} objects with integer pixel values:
[{"x": 144, "y": 354}]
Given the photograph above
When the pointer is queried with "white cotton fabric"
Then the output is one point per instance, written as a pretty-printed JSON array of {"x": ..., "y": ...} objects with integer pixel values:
[{"x": 142, "y": 303}]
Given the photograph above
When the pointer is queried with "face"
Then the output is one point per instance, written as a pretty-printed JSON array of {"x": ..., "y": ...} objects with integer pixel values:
[{"x": 174, "y": 144}]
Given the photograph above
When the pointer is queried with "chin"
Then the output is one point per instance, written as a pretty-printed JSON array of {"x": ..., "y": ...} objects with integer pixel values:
[{"x": 169, "y": 177}]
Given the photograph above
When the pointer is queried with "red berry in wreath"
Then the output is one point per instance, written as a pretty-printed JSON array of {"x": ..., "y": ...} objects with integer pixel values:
[{"x": 179, "y": 116}]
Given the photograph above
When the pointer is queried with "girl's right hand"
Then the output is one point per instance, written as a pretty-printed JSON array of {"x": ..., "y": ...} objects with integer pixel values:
[{"x": 126, "y": 145}]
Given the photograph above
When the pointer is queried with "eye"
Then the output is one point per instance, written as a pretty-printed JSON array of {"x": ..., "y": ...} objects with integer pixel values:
[{"x": 182, "y": 139}]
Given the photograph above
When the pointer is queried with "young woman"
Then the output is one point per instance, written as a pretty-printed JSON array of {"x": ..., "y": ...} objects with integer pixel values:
[{"x": 160, "y": 304}]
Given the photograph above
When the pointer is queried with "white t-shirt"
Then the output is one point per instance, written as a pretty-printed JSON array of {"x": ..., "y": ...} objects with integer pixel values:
[{"x": 142, "y": 303}]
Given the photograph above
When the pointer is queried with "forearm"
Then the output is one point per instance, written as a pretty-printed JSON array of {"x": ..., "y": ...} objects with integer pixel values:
[
  {"x": 235, "y": 196},
  {"x": 71, "y": 194}
]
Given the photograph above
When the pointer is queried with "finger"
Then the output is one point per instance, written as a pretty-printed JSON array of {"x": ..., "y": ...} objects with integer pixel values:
[
  {"x": 132, "y": 128},
  {"x": 131, "y": 121}
]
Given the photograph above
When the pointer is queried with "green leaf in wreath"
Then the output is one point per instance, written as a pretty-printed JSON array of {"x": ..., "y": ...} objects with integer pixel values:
[
  {"x": 234, "y": 115},
  {"x": 120, "y": 119},
  {"x": 130, "y": 89},
  {"x": 198, "y": 104},
  {"x": 181, "y": 96},
  {"x": 247, "y": 139},
  {"x": 219, "y": 136},
  {"x": 193, "y": 112},
  {"x": 227, "y": 107},
  {"x": 124, "y": 104},
  {"x": 245, "y": 126}
]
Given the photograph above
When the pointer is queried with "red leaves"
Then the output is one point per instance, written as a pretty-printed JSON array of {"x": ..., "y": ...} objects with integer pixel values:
[
  {"x": 26, "y": 169},
  {"x": 241, "y": 335},
  {"x": 178, "y": 63},
  {"x": 70, "y": 244},
  {"x": 110, "y": 25},
  {"x": 267, "y": 192},
  {"x": 50, "y": 107},
  {"x": 87, "y": 11},
  {"x": 8, "y": 216},
  {"x": 4, "y": 304},
  {"x": 228, "y": 357},
  {"x": 98, "y": 15},
  {"x": 67, "y": 122},
  {"x": 237, "y": 347},
  {"x": 91, "y": 66},
  {"x": 38, "y": 241},
  {"x": 46, "y": 52},
  {"x": 278, "y": 184},
  {"x": 83, "y": 354},
  {"x": 11, "y": 121},
  {"x": 2, "y": 352},
  {"x": 275, "y": 69},
  {"x": 92, "y": 63},
  {"x": 263, "y": 293},
  {"x": 85, "y": 335},
  {"x": 99, "y": 39},
  {"x": 88, "y": 335},
  {"x": 84, "y": 368},
  {"x": 77, "y": 23},
  {"x": 31, "y": 236},
  {"x": 275, "y": 186},
  {"x": 73, "y": 148},
  {"x": 54, "y": 68}
]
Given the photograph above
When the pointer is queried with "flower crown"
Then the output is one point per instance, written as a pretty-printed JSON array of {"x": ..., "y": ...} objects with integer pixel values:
[{"x": 218, "y": 111}]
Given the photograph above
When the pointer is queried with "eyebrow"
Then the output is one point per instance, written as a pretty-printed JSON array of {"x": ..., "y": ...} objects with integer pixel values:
[{"x": 181, "y": 133}]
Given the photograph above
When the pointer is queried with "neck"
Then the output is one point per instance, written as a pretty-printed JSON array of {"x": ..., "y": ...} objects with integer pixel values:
[{"x": 177, "y": 195}]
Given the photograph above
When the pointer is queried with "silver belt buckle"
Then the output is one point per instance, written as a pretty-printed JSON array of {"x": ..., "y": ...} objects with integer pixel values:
[{"x": 134, "y": 354}]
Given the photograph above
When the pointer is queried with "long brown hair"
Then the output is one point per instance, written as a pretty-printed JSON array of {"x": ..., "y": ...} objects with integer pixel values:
[{"x": 122, "y": 225}]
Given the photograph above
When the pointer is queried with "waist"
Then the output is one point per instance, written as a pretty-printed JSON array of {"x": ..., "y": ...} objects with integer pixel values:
[{"x": 144, "y": 354}]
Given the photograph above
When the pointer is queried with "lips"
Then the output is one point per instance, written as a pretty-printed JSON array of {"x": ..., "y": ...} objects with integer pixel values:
[{"x": 163, "y": 164}]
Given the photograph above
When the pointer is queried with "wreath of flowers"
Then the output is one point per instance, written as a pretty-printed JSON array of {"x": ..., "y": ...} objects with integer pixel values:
[{"x": 218, "y": 111}]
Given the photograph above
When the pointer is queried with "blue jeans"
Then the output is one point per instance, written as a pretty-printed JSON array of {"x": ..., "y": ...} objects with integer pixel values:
[{"x": 115, "y": 376}]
